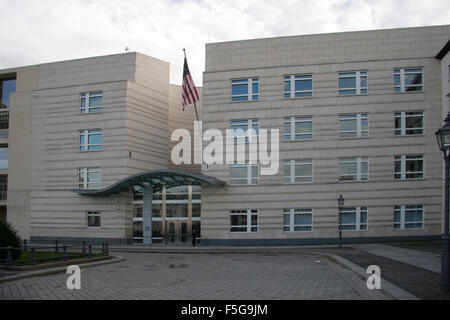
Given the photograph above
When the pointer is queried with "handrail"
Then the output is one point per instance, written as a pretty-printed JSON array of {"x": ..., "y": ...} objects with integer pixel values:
[{"x": 65, "y": 254}]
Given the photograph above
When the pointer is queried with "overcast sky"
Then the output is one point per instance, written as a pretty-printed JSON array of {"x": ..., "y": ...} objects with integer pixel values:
[{"x": 38, "y": 31}]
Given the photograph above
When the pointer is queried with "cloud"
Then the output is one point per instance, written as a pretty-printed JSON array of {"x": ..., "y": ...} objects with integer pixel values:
[{"x": 53, "y": 30}]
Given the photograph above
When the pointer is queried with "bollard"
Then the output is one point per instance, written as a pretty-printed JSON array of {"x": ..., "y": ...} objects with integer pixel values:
[
  {"x": 8, "y": 256},
  {"x": 106, "y": 249},
  {"x": 25, "y": 245},
  {"x": 90, "y": 251},
  {"x": 103, "y": 247},
  {"x": 84, "y": 247},
  {"x": 65, "y": 253},
  {"x": 33, "y": 258},
  {"x": 56, "y": 246}
]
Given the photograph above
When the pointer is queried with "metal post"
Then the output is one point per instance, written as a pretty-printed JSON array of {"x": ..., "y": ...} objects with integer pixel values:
[
  {"x": 33, "y": 258},
  {"x": 90, "y": 251},
  {"x": 445, "y": 266},
  {"x": 25, "y": 245},
  {"x": 8, "y": 256},
  {"x": 56, "y": 246},
  {"x": 106, "y": 249},
  {"x": 65, "y": 253},
  {"x": 103, "y": 247},
  {"x": 340, "y": 227},
  {"x": 84, "y": 247}
]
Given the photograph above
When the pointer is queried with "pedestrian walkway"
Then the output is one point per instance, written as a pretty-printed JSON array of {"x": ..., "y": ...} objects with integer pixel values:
[{"x": 421, "y": 259}]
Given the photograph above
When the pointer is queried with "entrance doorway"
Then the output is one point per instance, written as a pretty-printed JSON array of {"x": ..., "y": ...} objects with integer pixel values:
[{"x": 177, "y": 232}]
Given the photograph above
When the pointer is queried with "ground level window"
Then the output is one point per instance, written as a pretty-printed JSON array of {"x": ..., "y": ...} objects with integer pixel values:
[
  {"x": 93, "y": 219},
  {"x": 297, "y": 220},
  {"x": 408, "y": 217},
  {"x": 244, "y": 221},
  {"x": 354, "y": 219}
]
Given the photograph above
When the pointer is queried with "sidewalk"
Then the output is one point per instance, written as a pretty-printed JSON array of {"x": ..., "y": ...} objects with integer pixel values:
[{"x": 421, "y": 259}]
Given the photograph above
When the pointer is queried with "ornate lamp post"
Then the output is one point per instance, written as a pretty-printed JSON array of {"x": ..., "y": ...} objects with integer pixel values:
[
  {"x": 340, "y": 201},
  {"x": 443, "y": 138}
]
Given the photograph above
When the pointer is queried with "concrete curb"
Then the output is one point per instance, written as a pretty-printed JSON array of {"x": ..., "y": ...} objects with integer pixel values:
[
  {"x": 59, "y": 270},
  {"x": 386, "y": 287}
]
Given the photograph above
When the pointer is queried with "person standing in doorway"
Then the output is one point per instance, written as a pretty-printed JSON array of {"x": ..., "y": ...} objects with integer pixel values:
[{"x": 194, "y": 237}]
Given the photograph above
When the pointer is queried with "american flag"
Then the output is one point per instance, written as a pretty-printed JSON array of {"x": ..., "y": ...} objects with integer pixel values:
[{"x": 190, "y": 94}]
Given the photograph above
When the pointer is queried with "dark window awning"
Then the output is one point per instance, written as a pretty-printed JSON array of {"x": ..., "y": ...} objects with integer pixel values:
[{"x": 157, "y": 178}]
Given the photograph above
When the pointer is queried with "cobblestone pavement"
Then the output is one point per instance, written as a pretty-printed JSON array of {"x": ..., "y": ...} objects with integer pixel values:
[{"x": 200, "y": 276}]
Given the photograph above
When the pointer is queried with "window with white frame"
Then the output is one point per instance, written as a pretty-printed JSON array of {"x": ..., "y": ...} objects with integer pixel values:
[
  {"x": 354, "y": 169},
  {"x": 297, "y": 220},
  {"x": 409, "y": 167},
  {"x": 354, "y": 219},
  {"x": 242, "y": 130},
  {"x": 89, "y": 178},
  {"x": 94, "y": 219},
  {"x": 244, "y": 221},
  {"x": 298, "y": 128},
  {"x": 352, "y": 82},
  {"x": 354, "y": 125},
  {"x": 245, "y": 89},
  {"x": 244, "y": 173},
  {"x": 90, "y": 140},
  {"x": 408, "y": 217},
  {"x": 298, "y": 171},
  {"x": 408, "y": 79},
  {"x": 91, "y": 102},
  {"x": 408, "y": 123},
  {"x": 298, "y": 86}
]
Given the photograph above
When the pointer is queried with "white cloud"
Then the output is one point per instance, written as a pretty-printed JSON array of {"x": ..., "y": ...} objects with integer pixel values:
[{"x": 52, "y": 30}]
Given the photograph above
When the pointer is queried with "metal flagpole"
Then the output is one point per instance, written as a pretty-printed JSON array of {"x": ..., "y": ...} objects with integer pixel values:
[{"x": 195, "y": 105}]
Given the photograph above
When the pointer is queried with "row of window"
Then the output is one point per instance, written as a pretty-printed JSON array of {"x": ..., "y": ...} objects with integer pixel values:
[
  {"x": 350, "y": 126},
  {"x": 353, "y": 219},
  {"x": 349, "y": 83},
  {"x": 350, "y": 169},
  {"x": 295, "y": 128},
  {"x": 295, "y": 171}
]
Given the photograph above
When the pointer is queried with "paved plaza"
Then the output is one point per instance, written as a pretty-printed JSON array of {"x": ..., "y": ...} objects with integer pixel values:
[{"x": 233, "y": 276}]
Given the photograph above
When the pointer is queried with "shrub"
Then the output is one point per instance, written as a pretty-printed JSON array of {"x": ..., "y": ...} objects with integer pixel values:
[{"x": 9, "y": 237}]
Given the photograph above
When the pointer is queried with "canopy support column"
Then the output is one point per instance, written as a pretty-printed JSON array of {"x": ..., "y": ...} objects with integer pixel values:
[{"x": 147, "y": 214}]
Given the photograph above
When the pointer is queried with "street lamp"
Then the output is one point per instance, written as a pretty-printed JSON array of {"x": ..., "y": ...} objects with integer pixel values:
[
  {"x": 340, "y": 202},
  {"x": 443, "y": 138}
]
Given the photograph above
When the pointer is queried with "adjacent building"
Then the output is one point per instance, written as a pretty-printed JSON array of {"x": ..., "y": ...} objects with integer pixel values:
[{"x": 85, "y": 144}]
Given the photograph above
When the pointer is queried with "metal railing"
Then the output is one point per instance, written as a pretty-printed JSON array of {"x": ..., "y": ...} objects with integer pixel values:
[{"x": 69, "y": 251}]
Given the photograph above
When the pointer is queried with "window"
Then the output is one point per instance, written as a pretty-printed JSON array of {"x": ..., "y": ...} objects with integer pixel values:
[
  {"x": 244, "y": 173},
  {"x": 244, "y": 221},
  {"x": 408, "y": 217},
  {"x": 354, "y": 219},
  {"x": 3, "y": 158},
  {"x": 240, "y": 130},
  {"x": 91, "y": 102},
  {"x": 90, "y": 140},
  {"x": 352, "y": 82},
  {"x": 408, "y": 123},
  {"x": 408, "y": 167},
  {"x": 4, "y": 187},
  {"x": 93, "y": 219},
  {"x": 298, "y": 171},
  {"x": 298, "y": 128},
  {"x": 6, "y": 88},
  {"x": 298, "y": 86},
  {"x": 354, "y": 169},
  {"x": 89, "y": 178},
  {"x": 297, "y": 220},
  {"x": 406, "y": 80},
  {"x": 354, "y": 125},
  {"x": 245, "y": 89}
]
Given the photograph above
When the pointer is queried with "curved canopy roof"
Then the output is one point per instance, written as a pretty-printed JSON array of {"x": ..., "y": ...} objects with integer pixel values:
[{"x": 157, "y": 178}]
